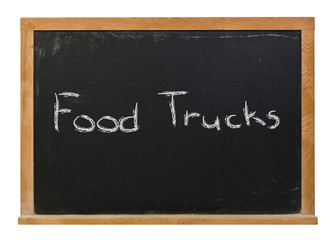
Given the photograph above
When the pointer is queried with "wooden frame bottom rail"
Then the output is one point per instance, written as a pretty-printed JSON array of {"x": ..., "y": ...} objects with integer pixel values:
[{"x": 169, "y": 219}]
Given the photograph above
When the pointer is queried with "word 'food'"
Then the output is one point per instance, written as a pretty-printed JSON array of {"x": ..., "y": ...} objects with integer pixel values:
[{"x": 118, "y": 124}]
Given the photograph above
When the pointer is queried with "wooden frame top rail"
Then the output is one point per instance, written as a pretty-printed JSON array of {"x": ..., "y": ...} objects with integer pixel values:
[{"x": 243, "y": 23}]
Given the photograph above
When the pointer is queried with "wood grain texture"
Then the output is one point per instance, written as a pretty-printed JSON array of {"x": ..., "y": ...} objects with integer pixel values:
[
  {"x": 27, "y": 120},
  {"x": 308, "y": 122},
  {"x": 169, "y": 219},
  {"x": 167, "y": 23},
  {"x": 28, "y": 25}
]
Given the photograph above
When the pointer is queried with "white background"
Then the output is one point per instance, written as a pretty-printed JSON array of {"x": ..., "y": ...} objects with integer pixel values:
[{"x": 10, "y": 13}]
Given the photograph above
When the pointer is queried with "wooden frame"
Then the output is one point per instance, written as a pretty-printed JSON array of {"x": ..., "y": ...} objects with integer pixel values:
[{"x": 29, "y": 25}]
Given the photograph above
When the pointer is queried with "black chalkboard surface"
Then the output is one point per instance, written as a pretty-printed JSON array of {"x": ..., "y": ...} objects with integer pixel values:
[{"x": 137, "y": 122}]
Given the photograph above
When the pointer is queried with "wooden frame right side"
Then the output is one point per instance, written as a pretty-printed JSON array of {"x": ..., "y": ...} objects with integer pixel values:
[{"x": 308, "y": 177}]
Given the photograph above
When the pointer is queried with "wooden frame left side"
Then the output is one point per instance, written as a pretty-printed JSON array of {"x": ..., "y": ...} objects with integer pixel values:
[{"x": 27, "y": 122}]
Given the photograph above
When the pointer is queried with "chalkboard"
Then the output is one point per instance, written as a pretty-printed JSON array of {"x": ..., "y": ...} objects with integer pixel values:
[{"x": 167, "y": 122}]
